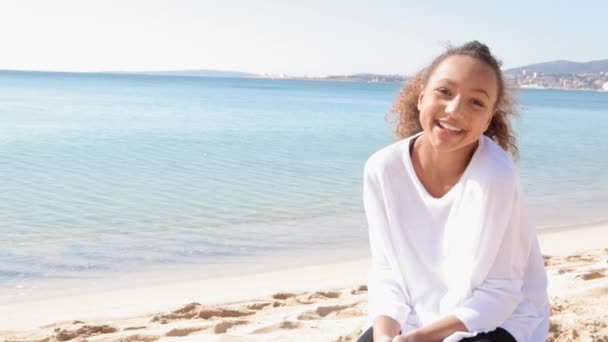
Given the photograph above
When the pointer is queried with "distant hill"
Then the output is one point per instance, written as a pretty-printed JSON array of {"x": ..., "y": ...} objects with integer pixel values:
[
  {"x": 192, "y": 73},
  {"x": 564, "y": 67},
  {"x": 367, "y": 77}
]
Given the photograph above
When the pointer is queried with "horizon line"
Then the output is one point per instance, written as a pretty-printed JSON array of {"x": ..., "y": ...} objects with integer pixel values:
[{"x": 261, "y": 74}]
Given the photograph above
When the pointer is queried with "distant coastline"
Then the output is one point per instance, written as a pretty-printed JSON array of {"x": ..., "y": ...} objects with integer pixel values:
[
  {"x": 562, "y": 75},
  {"x": 555, "y": 82}
]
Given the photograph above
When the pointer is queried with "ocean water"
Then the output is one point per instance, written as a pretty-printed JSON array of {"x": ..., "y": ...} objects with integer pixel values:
[{"x": 102, "y": 174}]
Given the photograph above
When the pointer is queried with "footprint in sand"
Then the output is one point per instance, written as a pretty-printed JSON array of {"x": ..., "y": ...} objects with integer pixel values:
[
  {"x": 581, "y": 258},
  {"x": 351, "y": 313},
  {"x": 196, "y": 310},
  {"x": 82, "y": 332},
  {"x": 258, "y": 306},
  {"x": 134, "y": 328},
  {"x": 573, "y": 258},
  {"x": 185, "y": 331},
  {"x": 591, "y": 275},
  {"x": 321, "y": 312},
  {"x": 221, "y": 312},
  {"x": 222, "y": 327},
  {"x": 283, "y": 298},
  {"x": 325, "y": 294},
  {"x": 314, "y": 297},
  {"x": 565, "y": 270},
  {"x": 285, "y": 325},
  {"x": 283, "y": 295},
  {"x": 187, "y": 312},
  {"x": 359, "y": 290}
]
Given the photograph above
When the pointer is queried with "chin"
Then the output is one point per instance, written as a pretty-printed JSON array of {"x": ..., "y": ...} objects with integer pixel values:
[{"x": 451, "y": 145}]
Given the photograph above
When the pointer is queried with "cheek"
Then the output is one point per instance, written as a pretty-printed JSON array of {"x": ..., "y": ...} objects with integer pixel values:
[
  {"x": 488, "y": 119},
  {"x": 483, "y": 123},
  {"x": 426, "y": 110},
  {"x": 425, "y": 117}
]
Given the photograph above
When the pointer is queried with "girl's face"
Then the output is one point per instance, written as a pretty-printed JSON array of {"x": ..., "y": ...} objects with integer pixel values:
[{"x": 457, "y": 103}]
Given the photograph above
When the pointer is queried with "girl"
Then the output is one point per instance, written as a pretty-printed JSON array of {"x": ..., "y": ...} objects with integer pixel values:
[{"x": 453, "y": 255}]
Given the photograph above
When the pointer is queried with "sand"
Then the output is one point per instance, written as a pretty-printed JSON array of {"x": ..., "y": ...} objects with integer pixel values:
[{"x": 315, "y": 303}]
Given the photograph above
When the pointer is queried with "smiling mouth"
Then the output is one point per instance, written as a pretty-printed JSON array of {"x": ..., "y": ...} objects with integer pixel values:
[{"x": 446, "y": 126}]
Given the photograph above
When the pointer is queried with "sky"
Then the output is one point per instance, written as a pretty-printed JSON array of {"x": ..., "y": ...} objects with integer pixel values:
[{"x": 307, "y": 37}]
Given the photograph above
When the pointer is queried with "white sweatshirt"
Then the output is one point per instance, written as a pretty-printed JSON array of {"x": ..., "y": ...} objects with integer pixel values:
[{"x": 471, "y": 253}]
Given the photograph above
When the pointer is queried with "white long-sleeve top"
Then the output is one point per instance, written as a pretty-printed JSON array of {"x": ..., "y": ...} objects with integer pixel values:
[{"x": 471, "y": 253}]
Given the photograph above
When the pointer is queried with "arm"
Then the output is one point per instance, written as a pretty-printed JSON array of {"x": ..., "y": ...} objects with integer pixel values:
[
  {"x": 434, "y": 332},
  {"x": 385, "y": 329},
  {"x": 505, "y": 246},
  {"x": 387, "y": 301}
]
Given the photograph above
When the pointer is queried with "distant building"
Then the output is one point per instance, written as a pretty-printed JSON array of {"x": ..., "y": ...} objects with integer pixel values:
[{"x": 605, "y": 86}]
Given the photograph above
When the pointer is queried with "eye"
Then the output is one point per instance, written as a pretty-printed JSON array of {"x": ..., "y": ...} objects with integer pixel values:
[
  {"x": 443, "y": 91},
  {"x": 478, "y": 103}
]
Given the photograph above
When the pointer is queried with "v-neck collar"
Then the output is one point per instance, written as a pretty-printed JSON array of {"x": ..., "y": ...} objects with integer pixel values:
[{"x": 407, "y": 159}]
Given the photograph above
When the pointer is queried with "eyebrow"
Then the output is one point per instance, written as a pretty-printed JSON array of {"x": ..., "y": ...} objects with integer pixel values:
[{"x": 477, "y": 90}]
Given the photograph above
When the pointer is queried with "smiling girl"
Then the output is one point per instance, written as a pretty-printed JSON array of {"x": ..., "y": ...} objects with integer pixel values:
[{"x": 454, "y": 257}]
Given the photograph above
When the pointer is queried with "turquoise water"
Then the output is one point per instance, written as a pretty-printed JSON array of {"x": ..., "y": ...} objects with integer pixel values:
[{"x": 108, "y": 173}]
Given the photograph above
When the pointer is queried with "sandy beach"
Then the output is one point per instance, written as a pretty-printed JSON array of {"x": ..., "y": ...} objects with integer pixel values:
[{"x": 325, "y": 302}]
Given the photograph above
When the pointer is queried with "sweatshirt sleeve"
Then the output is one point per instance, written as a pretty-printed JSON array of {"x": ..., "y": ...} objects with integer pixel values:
[
  {"x": 385, "y": 295},
  {"x": 505, "y": 248}
]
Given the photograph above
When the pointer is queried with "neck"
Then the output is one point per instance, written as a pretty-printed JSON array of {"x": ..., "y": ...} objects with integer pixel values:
[{"x": 441, "y": 164}]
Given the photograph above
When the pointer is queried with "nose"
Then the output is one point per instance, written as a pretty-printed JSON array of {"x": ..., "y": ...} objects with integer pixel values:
[{"x": 453, "y": 105}]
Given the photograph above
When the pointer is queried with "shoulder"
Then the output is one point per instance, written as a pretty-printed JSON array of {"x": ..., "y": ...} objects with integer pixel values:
[
  {"x": 386, "y": 159},
  {"x": 495, "y": 165}
]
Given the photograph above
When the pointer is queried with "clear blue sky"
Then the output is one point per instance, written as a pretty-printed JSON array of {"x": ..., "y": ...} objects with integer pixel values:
[{"x": 314, "y": 37}]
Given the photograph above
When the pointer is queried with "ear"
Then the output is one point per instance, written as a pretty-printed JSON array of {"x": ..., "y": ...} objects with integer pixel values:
[{"x": 420, "y": 96}]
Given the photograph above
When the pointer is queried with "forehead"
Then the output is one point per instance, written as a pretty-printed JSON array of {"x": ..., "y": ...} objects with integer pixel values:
[{"x": 466, "y": 72}]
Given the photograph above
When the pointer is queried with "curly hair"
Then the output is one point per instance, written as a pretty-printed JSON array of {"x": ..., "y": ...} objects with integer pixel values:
[{"x": 499, "y": 130}]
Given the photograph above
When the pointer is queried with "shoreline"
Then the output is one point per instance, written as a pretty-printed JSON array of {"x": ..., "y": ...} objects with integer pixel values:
[
  {"x": 161, "y": 275},
  {"x": 17, "y": 292},
  {"x": 145, "y": 300}
]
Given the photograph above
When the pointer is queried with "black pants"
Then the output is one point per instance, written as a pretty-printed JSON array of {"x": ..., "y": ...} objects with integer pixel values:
[{"x": 498, "y": 335}]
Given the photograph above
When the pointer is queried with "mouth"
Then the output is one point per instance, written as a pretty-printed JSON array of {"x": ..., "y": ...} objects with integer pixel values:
[{"x": 448, "y": 128}]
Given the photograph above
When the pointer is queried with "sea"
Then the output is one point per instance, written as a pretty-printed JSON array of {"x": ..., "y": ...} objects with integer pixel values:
[{"x": 105, "y": 175}]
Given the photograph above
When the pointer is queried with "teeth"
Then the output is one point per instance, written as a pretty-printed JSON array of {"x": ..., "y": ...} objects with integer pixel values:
[{"x": 448, "y": 126}]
